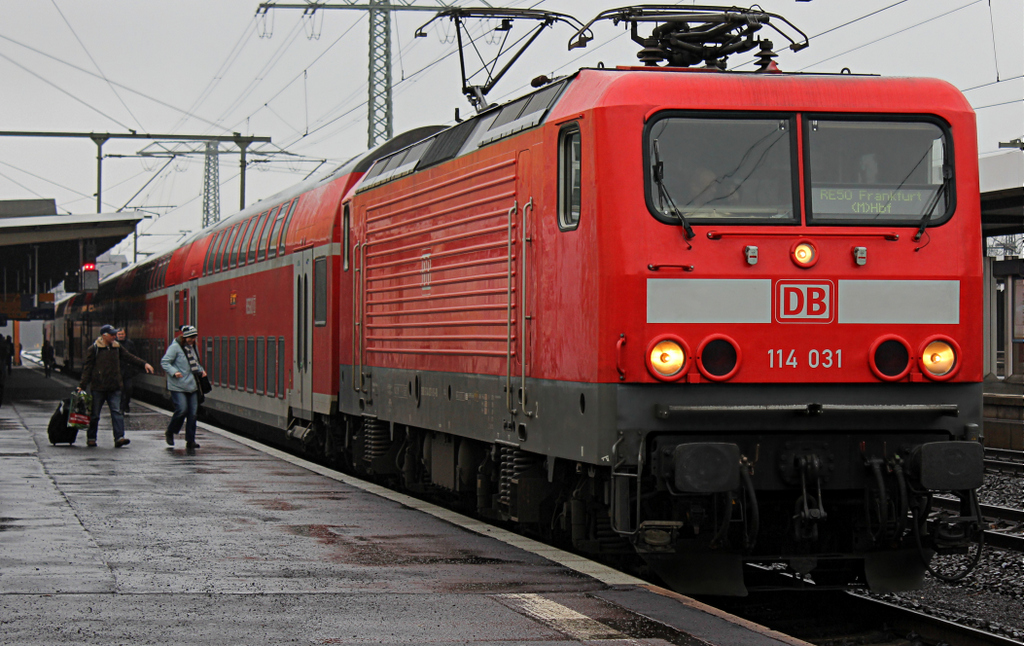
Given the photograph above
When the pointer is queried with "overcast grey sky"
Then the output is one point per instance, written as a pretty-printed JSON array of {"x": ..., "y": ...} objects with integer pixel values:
[{"x": 210, "y": 67}]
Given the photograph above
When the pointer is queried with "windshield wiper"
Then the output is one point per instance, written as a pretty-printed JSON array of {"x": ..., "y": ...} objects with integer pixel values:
[
  {"x": 659, "y": 178},
  {"x": 923, "y": 224}
]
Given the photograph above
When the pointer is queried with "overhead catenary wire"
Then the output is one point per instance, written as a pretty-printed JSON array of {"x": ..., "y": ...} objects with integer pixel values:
[
  {"x": 895, "y": 33},
  {"x": 218, "y": 75},
  {"x": 63, "y": 91},
  {"x": 272, "y": 61},
  {"x": 837, "y": 27},
  {"x": 96, "y": 65},
  {"x": 95, "y": 75}
]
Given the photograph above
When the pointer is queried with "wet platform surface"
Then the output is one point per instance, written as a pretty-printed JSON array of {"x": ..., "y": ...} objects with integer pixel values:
[{"x": 233, "y": 544}]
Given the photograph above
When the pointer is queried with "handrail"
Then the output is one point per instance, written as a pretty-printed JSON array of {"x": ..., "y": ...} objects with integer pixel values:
[
  {"x": 357, "y": 329},
  {"x": 525, "y": 317},
  {"x": 508, "y": 350}
]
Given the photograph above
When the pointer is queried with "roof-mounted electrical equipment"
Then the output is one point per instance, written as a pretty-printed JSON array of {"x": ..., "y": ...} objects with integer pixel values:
[
  {"x": 500, "y": 36},
  {"x": 688, "y": 36}
]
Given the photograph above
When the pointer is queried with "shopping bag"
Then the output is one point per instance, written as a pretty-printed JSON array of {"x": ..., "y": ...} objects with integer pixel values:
[{"x": 78, "y": 413}]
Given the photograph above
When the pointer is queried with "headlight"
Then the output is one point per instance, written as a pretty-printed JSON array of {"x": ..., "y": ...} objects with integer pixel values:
[
  {"x": 939, "y": 358},
  {"x": 890, "y": 358},
  {"x": 666, "y": 358},
  {"x": 804, "y": 254},
  {"x": 719, "y": 357}
]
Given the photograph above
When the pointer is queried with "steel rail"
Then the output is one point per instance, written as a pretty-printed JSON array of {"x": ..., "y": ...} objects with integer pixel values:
[
  {"x": 992, "y": 513},
  {"x": 933, "y": 629}
]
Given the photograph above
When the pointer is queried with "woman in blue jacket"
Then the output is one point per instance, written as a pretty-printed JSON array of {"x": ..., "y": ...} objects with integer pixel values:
[{"x": 181, "y": 365}]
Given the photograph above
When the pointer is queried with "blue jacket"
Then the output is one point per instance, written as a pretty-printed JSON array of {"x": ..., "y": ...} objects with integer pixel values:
[{"x": 175, "y": 360}]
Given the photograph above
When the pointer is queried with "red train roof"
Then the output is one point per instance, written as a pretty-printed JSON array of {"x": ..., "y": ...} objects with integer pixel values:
[{"x": 709, "y": 90}]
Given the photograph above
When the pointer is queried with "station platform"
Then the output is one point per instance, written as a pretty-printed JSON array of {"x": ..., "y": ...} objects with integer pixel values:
[{"x": 236, "y": 543}]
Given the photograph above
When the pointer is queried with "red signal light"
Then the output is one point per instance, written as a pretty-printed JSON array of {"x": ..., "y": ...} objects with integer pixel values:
[{"x": 89, "y": 266}]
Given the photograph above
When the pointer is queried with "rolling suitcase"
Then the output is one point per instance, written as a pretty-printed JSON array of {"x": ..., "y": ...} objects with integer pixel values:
[{"x": 58, "y": 429}]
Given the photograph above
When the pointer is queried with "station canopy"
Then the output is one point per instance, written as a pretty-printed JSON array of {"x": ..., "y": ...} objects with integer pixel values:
[
  {"x": 39, "y": 249},
  {"x": 1002, "y": 193}
]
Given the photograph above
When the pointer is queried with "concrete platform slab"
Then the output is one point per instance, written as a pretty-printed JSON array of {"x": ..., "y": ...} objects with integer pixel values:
[{"x": 236, "y": 543}]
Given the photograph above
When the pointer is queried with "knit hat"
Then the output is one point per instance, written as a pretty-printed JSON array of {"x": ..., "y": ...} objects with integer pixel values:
[{"x": 188, "y": 331}]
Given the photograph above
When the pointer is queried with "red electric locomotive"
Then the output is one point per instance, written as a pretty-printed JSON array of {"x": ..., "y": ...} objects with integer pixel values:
[{"x": 716, "y": 318}]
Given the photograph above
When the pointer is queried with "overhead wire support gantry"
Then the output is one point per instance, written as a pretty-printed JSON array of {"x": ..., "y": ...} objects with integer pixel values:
[
  {"x": 99, "y": 138},
  {"x": 379, "y": 100}
]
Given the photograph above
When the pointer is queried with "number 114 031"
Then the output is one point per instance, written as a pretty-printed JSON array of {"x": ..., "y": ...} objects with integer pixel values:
[{"x": 785, "y": 358}]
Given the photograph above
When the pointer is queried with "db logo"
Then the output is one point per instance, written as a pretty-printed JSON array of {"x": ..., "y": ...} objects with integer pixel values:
[{"x": 801, "y": 301}]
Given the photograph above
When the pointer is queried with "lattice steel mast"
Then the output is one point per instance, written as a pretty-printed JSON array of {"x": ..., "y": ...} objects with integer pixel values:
[
  {"x": 211, "y": 185},
  {"x": 379, "y": 110}
]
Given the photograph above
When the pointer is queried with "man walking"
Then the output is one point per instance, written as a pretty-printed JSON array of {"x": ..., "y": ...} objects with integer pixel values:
[
  {"x": 102, "y": 371},
  {"x": 127, "y": 370}
]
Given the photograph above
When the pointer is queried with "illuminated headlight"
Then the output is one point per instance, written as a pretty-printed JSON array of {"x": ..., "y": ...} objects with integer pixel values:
[
  {"x": 804, "y": 254},
  {"x": 939, "y": 358},
  {"x": 666, "y": 358}
]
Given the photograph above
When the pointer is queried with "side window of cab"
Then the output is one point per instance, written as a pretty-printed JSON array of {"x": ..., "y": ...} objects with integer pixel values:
[{"x": 569, "y": 176}]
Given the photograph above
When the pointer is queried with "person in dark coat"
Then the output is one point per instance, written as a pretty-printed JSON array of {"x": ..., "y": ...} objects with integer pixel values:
[
  {"x": 47, "y": 356},
  {"x": 128, "y": 371},
  {"x": 5, "y": 354},
  {"x": 10, "y": 354},
  {"x": 102, "y": 370},
  {"x": 3, "y": 382}
]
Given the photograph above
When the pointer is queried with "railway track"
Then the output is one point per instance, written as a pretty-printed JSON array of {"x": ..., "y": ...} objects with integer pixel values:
[
  {"x": 1006, "y": 524},
  {"x": 831, "y": 618},
  {"x": 1004, "y": 461}
]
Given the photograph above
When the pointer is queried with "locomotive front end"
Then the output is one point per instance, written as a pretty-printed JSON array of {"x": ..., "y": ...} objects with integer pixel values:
[{"x": 805, "y": 374}]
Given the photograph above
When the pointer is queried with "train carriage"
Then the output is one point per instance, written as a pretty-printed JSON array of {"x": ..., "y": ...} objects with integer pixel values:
[{"x": 718, "y": 319}]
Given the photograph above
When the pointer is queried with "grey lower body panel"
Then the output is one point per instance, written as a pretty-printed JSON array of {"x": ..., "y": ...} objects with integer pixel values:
[{"x": 584, "y": 421}]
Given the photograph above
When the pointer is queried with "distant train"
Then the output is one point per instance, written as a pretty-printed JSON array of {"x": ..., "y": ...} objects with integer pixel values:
[{"x": 714, "y": 318}]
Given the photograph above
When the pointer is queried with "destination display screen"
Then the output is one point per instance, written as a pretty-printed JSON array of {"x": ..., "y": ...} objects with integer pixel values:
[{"x": 861, "y": 201}]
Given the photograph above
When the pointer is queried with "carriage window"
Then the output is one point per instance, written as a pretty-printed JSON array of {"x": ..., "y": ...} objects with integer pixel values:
[
  {"x": 250, "y": 364},
  {"x": 255, "y": 240},
  {"x": 721, "y": 170},
  {"x": 569, "y": 176},
  {"x": 283, "y": 236},
  {"x": 250, "y": 229},
  {"x": 281, "y": 385},
  {"x": 264, "y": 234},
  {"x": 233, "y": 353},
  {"x": 271, "y": 367},
  {"x": 260, "y": 365},
  {"x": 209, "y": 254},
  {"x": 320, "y": 291},
  {"x": 222, "y": 376},
  {"x": 877, "y": 172},
  {"x": 275, "y": 233},
  {"x": 222, "y": 253},
  {"x": 240, "y": 368}
]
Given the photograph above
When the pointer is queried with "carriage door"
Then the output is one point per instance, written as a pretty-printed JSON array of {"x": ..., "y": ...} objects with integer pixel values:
[
  {"x": 302, "y": 361},
  {"x": 526, "y": 288}
]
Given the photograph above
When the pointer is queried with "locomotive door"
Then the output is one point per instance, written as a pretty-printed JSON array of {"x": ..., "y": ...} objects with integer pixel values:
[
  {"x": 526, "y": 285},
  {"x": 302, "y": 360}
]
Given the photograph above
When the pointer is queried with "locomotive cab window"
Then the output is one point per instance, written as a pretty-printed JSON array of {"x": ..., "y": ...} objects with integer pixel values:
[
  {"x": 721, "y": 169},
  {"x": 878, "y": 172},
  {"x": 569, "y": 178}
]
